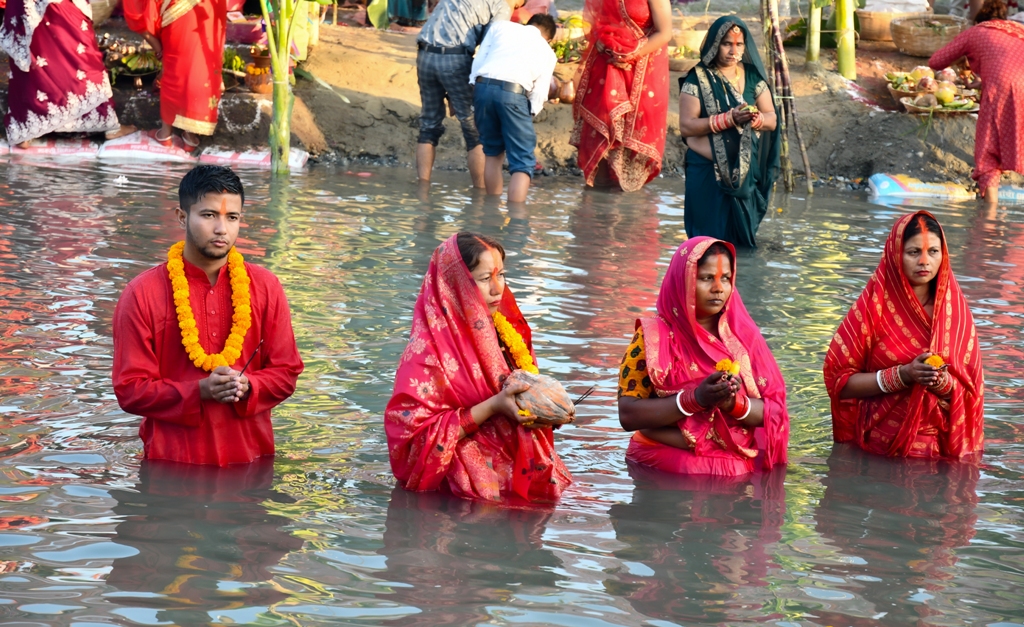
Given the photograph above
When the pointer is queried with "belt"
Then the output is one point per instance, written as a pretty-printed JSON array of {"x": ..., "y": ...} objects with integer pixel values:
[
  {"x": 515, "y": 88},
  {"x": 440, "y": 50}
]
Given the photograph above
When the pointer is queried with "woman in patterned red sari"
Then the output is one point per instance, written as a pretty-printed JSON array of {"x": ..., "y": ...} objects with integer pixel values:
[
  {"x": 995, "y": 50},
  {"x": 621, "y": 106},
  {"x": 890, "y": 394},
  {"x": 189, "y": 36},
  {"x": 449, "y": 423},
  {"x": 58, "y": 82}
]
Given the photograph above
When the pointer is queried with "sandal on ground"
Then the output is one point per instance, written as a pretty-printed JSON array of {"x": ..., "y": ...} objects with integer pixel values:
[
  {"x": 167, "y": 141},
  {"x": 120, "y": 132}
]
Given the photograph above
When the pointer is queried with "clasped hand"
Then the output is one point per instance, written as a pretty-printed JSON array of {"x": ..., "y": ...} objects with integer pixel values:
[
  {"x": 742, "y": 115},
  {"x": 921, "y": 373},
  {"x": 504, "y": 403},
  {"x": 224, "y": 385},
  {"x": 718, "y": 390}
]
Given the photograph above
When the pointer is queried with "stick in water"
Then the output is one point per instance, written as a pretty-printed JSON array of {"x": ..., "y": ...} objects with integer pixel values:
[{"x": 250, "y": 358}]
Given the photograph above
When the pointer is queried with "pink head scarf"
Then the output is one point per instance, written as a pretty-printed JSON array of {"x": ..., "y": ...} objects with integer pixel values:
[
  {"x": 680, "y": 352},
  {"x": 453, "y": 362}
]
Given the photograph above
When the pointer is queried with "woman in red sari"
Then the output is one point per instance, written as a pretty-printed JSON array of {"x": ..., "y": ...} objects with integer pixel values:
[
  {"x": 188, "y": 36},
  {"x": 890, "y": 395},
  {"x": 995, "y": 50},
  {"x": 621, "y": 106},
  {"x": 58, "y": 82},
  {"x": 449, "y": 423},
  {"x": 688, "y": 417}
]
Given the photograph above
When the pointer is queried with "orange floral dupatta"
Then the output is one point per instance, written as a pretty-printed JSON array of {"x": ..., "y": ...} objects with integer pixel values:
[
  {"x": 454, "y": 361},
  {"x": 887, "y": 326}
]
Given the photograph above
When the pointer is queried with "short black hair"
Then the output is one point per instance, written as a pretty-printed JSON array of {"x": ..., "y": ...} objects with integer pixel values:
[
  {"x": 473, "y": 245},
  {"x": 545, "y": 23},
  {"x": 207, "y": 179}
]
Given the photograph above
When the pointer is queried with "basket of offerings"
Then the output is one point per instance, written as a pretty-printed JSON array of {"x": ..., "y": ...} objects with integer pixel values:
[
  {"x": 928, "y": 104},
  {"x": 546, "y": 402},
  {"x": 923, "y": 34},
  {"x": 681, "y": 59}
]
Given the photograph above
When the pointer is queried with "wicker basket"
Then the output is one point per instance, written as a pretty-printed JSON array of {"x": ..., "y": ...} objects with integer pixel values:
[
  {"x": 101, "y": 10},
  {"x": 874, "y": 25},
  {"x": 921, "y": 35}
]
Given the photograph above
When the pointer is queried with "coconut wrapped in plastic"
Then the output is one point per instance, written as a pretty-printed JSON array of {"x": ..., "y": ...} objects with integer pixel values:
[{"x": 546, "y": 402}]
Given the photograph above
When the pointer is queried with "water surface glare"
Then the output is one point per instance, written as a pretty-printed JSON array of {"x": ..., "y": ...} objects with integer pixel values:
[{"x": 322, "y": 536}]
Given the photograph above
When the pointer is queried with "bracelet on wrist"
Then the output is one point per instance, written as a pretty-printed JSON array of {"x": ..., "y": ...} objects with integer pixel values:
[
  {"x": 890, "y": 380},
  {"x": 686, "y": 401},
  {"x": 741, "y": 407},
  {"x": 467, "y": 423}
]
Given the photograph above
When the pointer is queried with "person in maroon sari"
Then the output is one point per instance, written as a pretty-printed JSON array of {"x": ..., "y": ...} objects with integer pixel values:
[
  {"x": 450, "y": 424},
  {"x": 688, "y": 415},
  {"x": 890, "y": 394},
  {"x": 58, "y": 82},
  {"x": 621, "y": 106}
]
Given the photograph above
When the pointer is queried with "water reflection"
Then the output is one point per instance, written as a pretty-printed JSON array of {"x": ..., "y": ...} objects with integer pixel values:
[
  {"x": 456, "y": 559},
  {"x": 698, "y": 549},
  {"x": 897, "y": 523},
  {"x": 205, "y": 541}
]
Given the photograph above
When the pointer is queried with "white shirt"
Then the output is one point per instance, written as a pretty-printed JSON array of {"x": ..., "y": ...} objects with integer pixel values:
[{"x": 517, "y": 53}]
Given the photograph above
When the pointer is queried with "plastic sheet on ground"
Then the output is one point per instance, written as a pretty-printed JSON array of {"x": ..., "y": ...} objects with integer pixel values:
[
  {"x": 903, "y": 186},
  {"x": 56, "y": 148},
  {"x": 141, "y": 145},
  {"x": 255, "y": 158}
]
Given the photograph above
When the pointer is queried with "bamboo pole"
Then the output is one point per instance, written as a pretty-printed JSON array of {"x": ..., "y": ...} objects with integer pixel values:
[
  {"x": 784, "y": 89},
  {"x": 846, "y": 42},
  {"x": 814, "y": 33},
  {"x": 278, "y": 17}
]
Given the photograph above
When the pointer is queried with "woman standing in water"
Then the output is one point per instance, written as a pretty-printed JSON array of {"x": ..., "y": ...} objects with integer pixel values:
[
  {"x": 698, "y": 385},
  {"x": 449, "y": 423},
  {"x": 903, "y": 371},
  {"x": 621, "y": 107},
  {"x": 727, "y": 118},
  {"x": 995, "y": 49}
]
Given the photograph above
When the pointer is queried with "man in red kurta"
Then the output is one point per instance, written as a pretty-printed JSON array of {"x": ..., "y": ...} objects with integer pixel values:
[{"x": 215, "y": 415}]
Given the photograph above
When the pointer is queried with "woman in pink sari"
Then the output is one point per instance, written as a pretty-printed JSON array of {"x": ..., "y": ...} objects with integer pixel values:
[
  {"x": 688, "y": 417},
  {"x": 58, "y": 82},
  {"x": 621, "y": 106},
  {"x": 450, "y": 424}
]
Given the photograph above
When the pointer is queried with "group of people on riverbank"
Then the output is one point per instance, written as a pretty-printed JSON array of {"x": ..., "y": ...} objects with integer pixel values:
[
  {"x": 727, "y": 109},
  {"x": 59, "y": 82},
  {"x": 698, "y": 386}
]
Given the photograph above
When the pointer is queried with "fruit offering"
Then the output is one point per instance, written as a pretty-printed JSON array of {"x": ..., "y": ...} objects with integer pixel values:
[{"x": 546, "y": 402}]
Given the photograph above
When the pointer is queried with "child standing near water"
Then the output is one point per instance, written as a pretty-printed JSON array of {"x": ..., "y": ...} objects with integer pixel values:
[{"x": 512, "y": 73}]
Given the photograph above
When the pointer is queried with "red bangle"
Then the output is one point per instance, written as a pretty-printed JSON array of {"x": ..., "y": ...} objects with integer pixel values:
[
  {"x": 739, "y": 408},
  {"x": 467, "y": 423},
  {"x": 947, "y": 385},
  {"x": 757, "y": 121},
  {"x": 687, "y": 401}
]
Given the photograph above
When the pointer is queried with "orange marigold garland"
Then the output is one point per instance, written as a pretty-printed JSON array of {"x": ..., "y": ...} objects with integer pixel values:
[
  {"x": 241, "y": 319},
  {"x": 515, "y": 344}
]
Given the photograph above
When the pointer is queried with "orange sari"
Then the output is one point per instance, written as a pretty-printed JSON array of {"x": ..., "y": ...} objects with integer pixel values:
[
  {"x": 192, "y": 33},
  {"x": 887, "y": 326}
]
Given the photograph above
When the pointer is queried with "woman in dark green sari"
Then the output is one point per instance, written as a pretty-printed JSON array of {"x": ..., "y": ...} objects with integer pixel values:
[{"x": 727, "y": 117}]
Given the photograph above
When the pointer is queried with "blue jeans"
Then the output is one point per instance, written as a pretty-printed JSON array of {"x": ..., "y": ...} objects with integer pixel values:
[{"x": 505, "y": 125}]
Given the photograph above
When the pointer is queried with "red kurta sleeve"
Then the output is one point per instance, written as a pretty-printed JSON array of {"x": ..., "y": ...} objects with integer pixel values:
[
  {"x": 951, "y": 52},
  {"x": 273, "y": 380},
  {"x": 142, "y": 16},
  {"x": 138, "y": 384}
]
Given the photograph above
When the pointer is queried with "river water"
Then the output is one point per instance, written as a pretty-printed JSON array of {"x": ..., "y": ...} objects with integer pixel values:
[{"x": 322, "y": 536}]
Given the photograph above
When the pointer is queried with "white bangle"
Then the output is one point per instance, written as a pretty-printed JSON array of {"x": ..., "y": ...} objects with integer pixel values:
[
  {"x": 679, "y": 405},
  {"x": 878, "y": 380},
  {"x": 750, "y": 405}
]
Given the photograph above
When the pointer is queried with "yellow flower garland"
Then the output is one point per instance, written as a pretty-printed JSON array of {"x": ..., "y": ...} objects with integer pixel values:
[
  {"x": 515, "y": 344},
  {"x": 241, "y": 318}
]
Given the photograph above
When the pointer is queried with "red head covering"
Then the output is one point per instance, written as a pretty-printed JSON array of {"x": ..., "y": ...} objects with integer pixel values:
[
  {"x": 453, "y": 362},
  {"x": 679, "y": 351},
  {"x": 888, "y": 326}
]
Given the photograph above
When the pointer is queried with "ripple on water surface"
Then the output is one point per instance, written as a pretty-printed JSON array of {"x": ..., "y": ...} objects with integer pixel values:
[{"x": 321, "y": 536}]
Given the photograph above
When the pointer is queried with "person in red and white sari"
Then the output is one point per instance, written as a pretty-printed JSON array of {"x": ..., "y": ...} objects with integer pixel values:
[
  {"x": 188, "y": 36},
  {"x": 58, "y": 82}
]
